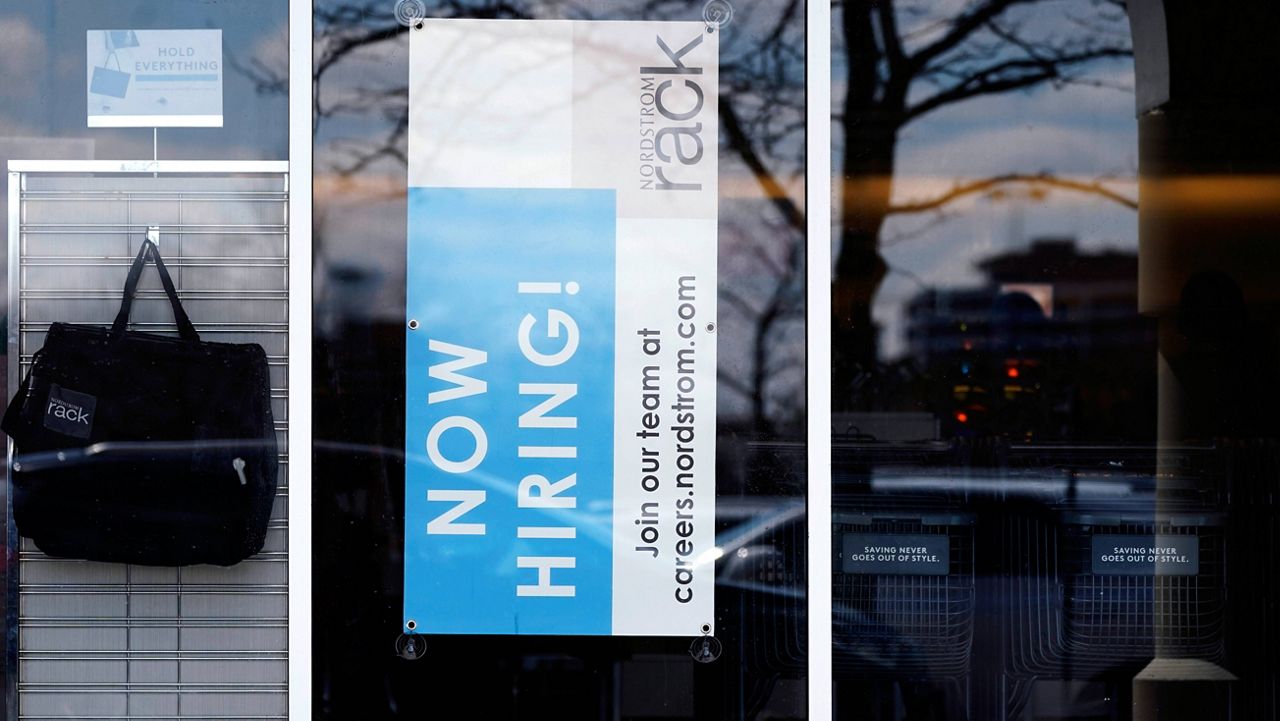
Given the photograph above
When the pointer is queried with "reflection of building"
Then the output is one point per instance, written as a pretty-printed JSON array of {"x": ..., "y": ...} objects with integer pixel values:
[{"x": 1050, "y": 346}]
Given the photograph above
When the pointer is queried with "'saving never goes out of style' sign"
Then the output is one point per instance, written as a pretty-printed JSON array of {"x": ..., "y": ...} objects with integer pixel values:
[{"x": 560, "y": 342}]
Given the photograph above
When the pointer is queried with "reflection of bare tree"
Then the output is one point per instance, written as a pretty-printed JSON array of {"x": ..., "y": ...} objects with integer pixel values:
[
  {"x": 902, "y": 61},
  {"x": 783, "y": 264},
  {"x": 898, "y": 61},
  {"x": 762, "y": 108},
  {"x": 762, "y": 114},
  {"x": 772, "y": 373}
]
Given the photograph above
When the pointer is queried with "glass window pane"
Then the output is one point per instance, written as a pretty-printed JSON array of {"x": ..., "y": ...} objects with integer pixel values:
[
  {"x": 384, "y": 157},
  {"x": 1051, "y": 392},
  {"x": 147, "y": 560}
]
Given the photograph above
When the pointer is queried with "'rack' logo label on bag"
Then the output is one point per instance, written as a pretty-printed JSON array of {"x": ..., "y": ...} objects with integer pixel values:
[{"x": 69, "y": 412}]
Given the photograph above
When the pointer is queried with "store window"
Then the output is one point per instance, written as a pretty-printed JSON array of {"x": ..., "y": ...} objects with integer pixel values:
[
  {"x": 532, "y": 322},
  {"x": 596, "y": 210},
  {"x": 1053, "y": 355},
  {"x": 148, "y": 358}
]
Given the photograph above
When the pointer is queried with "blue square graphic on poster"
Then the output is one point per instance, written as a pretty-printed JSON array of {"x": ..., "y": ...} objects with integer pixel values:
[{"x": 509, "y": 411}]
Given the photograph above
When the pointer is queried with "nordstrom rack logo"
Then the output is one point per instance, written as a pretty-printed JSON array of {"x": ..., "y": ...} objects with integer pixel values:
[
  {"x": 69, "y": 412},
  {"x": 670, "y": 128}
]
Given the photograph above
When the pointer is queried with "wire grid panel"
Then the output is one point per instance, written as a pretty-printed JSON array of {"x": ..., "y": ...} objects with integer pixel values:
[
  {"x": 96, "y": 640},
  {"x": 911, "y": 626},
  {"x": 1135, "y": 616},
  {"x": 769, "y": 580},
  {"x": 1067, "y": 622}
]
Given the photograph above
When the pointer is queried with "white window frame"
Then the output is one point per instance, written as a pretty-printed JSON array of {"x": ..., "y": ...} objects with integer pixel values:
[
  {"x": 300, "y": 339},
  {"x": 818, "y": 352}
]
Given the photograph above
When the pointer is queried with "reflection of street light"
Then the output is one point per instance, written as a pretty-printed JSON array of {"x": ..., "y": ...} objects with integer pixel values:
[{"x": 711, "y": 555}]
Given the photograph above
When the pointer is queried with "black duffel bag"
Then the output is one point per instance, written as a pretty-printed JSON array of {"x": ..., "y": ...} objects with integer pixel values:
[{"x": 143, "y": 448}]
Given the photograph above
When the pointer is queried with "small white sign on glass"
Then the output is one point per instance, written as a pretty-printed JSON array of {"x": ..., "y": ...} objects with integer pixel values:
[{"x": 154, "y": 78}]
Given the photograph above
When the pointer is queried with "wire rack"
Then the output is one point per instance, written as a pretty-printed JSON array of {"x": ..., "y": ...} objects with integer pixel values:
[
  {"x": 905, "y": 625},
  {"x": 767, "y": 583},
  {"x": 1134, "y": 616},
  {"x": 1068, "y": 622},
  {"x": 95, "y": 640}
]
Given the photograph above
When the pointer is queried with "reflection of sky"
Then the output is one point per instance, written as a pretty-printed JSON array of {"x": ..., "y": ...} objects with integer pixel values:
[
  {"x": 1080, "y": 131},
  {"x": 43, "y": 79}
]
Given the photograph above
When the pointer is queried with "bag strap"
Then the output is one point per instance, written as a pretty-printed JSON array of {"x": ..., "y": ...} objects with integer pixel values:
[
  {"x": 185, "y": 329},
  {"x": 111, "y": 52}
]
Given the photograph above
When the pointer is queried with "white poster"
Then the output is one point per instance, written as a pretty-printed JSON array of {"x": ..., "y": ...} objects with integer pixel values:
[
  {"x": 154, "y": 78},
  {"x": 560, "y": 328}
]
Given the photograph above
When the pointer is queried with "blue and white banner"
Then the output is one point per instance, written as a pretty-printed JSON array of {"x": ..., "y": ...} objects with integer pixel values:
[
  {"x": 154, "y": 78},
  {"x": 560, "y": 341}
]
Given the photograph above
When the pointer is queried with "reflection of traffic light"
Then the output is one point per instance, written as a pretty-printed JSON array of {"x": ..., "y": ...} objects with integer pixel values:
[
  {"x": 968, "y": 389},
  {"x": 997, "y": 396},
  {"x": 1020, "y": 376}
]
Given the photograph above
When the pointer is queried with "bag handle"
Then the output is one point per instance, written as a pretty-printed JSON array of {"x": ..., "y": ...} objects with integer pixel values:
[
  {"x": 185, "y": 329},
  {"x": 111, "y": 52}
]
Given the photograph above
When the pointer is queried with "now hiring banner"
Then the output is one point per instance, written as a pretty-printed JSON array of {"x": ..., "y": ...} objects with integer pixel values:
[{"x": 560, "y": 342}]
